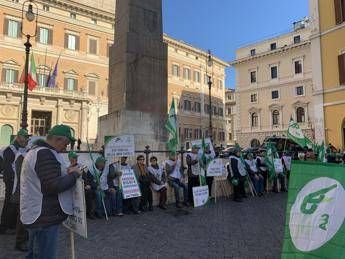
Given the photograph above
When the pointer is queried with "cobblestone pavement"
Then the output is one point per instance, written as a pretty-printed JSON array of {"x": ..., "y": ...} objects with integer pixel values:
[{"x": 253, "y": 229}]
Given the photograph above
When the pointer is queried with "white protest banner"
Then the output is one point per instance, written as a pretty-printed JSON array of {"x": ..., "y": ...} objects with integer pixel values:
[
  {"x": 77, "y": 222},
  {"x": 119, "y": 146},
  {"x": 200, "y": 195},
  {"x": 278, "y": 165},
  {"x": 287, "y": 162},
  {"x": 198, "y": 143},
  {"x": 216, "y": 168},
  {"x": 130, "y": 187}
]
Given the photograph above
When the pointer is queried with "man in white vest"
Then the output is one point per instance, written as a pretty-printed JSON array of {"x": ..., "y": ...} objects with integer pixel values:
[
  {"x": 46, "y": 190},
  {"x": 193, "y": 171},
  {"x": 9, "y": 212}
]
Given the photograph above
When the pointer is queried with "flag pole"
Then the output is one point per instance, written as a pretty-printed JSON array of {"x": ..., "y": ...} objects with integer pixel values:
[{"x": 72, "y": 245}]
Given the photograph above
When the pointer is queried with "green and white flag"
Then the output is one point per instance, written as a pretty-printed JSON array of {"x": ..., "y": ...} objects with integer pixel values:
[
  {"x": 172, "y": 128},
  {"x": 271, "y": 155},
  {"x": 315, "y": 212},
  {"x": 295, "y": 134},
  {"x": 321, "y": 153}
]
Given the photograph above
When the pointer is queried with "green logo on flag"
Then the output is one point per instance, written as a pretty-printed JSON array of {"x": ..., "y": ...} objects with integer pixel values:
[{"x": 317, "y": 214}]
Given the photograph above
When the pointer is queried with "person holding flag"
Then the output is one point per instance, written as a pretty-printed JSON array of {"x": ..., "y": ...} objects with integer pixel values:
[
  {"x": 206, "y": 156},
  {"x": 237, "y": 174},
  {"x": 193, "y": 171}
]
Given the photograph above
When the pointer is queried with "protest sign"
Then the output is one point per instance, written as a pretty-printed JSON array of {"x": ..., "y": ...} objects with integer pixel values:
[
  {"x": 315, "y": 212},
  {"x": 278, "y": 165},
  {"x": 208, "y": 141},
  {"x": 119, "y": 146},
  {"x": 287, "y": 162},
  {"x": 215, "y": 168},
  {"x": 77, "y": 222},
  {"x": 130, "y": 187},
  {"x": 200, "y": 195}
]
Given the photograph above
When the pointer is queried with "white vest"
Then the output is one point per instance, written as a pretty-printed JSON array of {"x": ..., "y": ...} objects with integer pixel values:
[
  {"x": 18, "y": 154},
  {"x": 120, "y": 168},
  {"x": 252, "y": 165},
  {"x": 240, "y": 166},
  {"x": 176, "y": 173},
  {"x": 103, "y": 181},
  {"x": 196, "y": 167},
  {"x": 157, "y": 173},
  {"x": 30, "y": 189}
]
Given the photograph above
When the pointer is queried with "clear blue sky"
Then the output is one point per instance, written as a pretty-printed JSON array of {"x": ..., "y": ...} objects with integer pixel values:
[{"x": 225, "y": 25}]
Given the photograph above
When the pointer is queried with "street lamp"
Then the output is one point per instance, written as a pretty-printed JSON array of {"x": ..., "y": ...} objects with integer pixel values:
[
  {"x": 209, "y": 82},
  {"x": 29, "y": 14}
]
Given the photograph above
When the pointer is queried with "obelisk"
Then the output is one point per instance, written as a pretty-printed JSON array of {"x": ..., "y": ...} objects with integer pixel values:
[{"x": 137, "y": 75}]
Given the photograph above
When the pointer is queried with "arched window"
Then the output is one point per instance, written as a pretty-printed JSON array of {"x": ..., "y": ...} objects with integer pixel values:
[
  {"x": 275, "y": 117},
  {"x": 255, "y": 119},
  {"x": 5, "y": 135},
  {"x": 300, "y": 113},
  {"x": 254, "y": 143}
]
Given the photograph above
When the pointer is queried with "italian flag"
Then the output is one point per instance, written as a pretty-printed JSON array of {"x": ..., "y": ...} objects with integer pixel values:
[{"x": 32, "y": 76}]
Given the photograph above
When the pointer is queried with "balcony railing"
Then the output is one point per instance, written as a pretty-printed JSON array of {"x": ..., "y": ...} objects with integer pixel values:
[{"x": 19, "y": 88}]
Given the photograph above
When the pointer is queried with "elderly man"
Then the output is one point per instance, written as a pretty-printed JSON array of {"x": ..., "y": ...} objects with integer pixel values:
[
  {"x": 46, "y": 192},
  {"x": 9, "y": 212}
]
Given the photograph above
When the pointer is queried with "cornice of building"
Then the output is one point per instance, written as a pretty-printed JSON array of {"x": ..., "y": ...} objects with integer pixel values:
[
  {"x": 68, "y": 5},
  {"x": 270, "y": 53},
  {"x": 191, "y": 49}
]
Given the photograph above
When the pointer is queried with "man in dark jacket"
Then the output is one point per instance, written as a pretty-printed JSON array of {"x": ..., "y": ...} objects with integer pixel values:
[
  {"x": 9, "y": 213},
  {"x": 238, "y": 175},
  {"x": 46, "y": 192}
]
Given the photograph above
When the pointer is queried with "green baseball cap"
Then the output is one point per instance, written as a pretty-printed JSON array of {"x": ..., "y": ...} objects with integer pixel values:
[
  {"x": 72, "y": 154},
  {"x": 100, "y": 159},
  {"x": 63, "y": 131},
  {"x": 23, "y": 133}
]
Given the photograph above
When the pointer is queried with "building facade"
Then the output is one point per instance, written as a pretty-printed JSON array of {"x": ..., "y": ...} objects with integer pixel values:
[
  {"x": 76, "y": 35},
  {"x": 187, "y": 84},
  {"x": 79, "y": 34},
  {"x": 273, "y": 84},
  {"x": 328, "y": 52},
  {"x": 230, "y": 111}
]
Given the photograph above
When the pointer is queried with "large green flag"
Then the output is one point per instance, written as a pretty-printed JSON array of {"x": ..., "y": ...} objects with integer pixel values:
[
  {"x": 295, "y": 133},
  {"x": 171, "y": 126},
  {"x": 271, "y": 154},
  {"x": 315, "y": 212}
]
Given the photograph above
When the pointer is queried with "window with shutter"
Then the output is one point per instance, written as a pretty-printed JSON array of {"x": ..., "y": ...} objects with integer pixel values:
[
  {"x": 92, "y": 88},
  {"x": 339, "y": 6},
  {"x": 93, "y": 46},
  {"x": 13, "y": 29},
  {"x": 50, "y": 37},
  {"x": 341, "y": 65},
  {"x": 77, "y": 42}
]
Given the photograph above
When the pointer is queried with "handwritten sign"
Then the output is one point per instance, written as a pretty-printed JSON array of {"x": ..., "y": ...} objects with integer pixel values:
[
  {"x": 278, "y": 165},
  {"x": 119, "y": 146},
  {"x": 200, "y": 195},
  {"x": 216, "y": 168},
  {"x": 77, "y": 222},
  {"x": 130, "y": 187},
  {"x": 208, "y": 141}
]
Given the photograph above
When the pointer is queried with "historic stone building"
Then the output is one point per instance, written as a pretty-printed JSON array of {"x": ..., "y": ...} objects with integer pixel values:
[
  {"x": 328, "y": 54},
  {"x": 230, "y": 113},
  {"x": 273, "y": 84},
  {"x": 80, "y": 33}
]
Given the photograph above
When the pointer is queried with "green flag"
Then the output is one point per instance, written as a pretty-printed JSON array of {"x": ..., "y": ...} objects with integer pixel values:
[
  {"x": 171, "y": 126},
  {"x": 321, "y": 153},
  {"x": 271, "y": 154},
  {"x": 203, "y": 163},
  {"x": 295, "y": 134},
  {"x": 315, "y": 212}
]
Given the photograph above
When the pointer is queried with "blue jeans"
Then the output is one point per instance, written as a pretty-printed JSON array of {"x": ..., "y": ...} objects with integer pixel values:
[
  {"x": 43, "y": 242},
  {"x": 258, "y": 184},
  {"x": 177, "y": 185},
  {"x": 115, "y": 202}
]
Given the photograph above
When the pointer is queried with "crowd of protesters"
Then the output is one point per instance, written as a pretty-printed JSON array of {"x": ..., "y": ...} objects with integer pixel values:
[{"x": 39, "y": 185}]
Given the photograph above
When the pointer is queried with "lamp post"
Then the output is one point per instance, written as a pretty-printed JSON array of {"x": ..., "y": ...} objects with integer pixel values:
[
  {"x": 29, "y": 14},
  {"x": 209, "y": 83}
]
